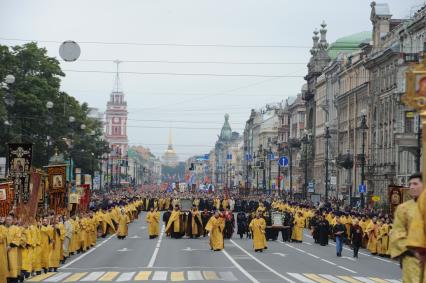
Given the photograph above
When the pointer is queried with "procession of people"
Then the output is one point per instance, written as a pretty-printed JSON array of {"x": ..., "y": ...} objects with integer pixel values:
[{"x": 35, "y": 246}]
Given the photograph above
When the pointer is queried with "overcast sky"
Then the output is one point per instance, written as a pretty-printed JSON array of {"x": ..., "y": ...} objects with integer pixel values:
[{"x": 191, "y": 104}]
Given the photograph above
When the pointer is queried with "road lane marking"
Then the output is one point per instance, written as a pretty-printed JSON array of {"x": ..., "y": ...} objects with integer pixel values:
[
  {"x": 159, "y": 276},
  {"x": 195, "y": 275},
  {"x": 210, "y": 275},
  {"x": 93, "y": 276},
  {"x": 347, "y": 269},
  {"x": 333, "y": 278},
  {"x": 306, "y": 243},
  {"x": 378, "y": 280},
  {"x": 393, "y": 281},
  {"x": 364, "y": 279},
  {"x": 316, "y": 278},
  {"x": 312, "y": 255},
  {"x": 40, "y": 277},
  {"x": 263, "y": 264},
  {"x": 228, "y": 276},
  {"x": 108, "y": 276},
  {"x": 143, "y": 275},
  {"x": 177, "y": 276},
  {"x": 301, "y": 278},
  {"x": 329, "y": 262},
  {"x": 86, "y": 253},
  {"x": 75, "y": 277},
  {"x": 349, "y": 279},
  {"x": 385, "y": 260},
  {"x": 58, "y": 277},
  {"x": 240, "y": 268},
  {"x": 157, "y": 248},
  {"x": 126, "y": 276}
]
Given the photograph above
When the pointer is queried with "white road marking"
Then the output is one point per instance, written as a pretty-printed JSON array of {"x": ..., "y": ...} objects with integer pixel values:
[
  {"x": 126, "y": 276},
  {"x": 312, "y": 255},
  {"x": 333, "y": 279},
  {"x": 350, "y": 258},
  {"x": 86, "y": 253},
  {"x": 306, "y": 243},
  {"x": 364, "y": 254},
  {"x": 280, "y": 254},
  {"x": 58, "y": 277},
  {"x": 160, "y": 276},
  {"x": 228, "y": 276},
  {"x": 347, "y": 269},
  {"x": 263, "y": 264},
  {"x": 240, "y": 268},
  {"x": 157, "y": 248},
  {"x": 364, "y": 279},
  {"x": 332, "y": 263},
  {"x": 393, "y": 281},
  {"x": 385, "y": 260},
  {"x": 93, "y": 276},
  {"x": 123, "y": 250},
  {"x": 301, "y": 278},
  {"x": 195, "y": 275}
]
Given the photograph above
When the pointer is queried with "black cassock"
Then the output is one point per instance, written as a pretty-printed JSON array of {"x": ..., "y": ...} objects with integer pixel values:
[
  {"x": 205, "y": 217},
  {"x": 323, "y": 232},
  {"x": 241, "y": 224}
]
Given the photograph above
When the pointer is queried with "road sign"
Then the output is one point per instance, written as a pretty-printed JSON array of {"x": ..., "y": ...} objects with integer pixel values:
[
  {"x": 333, "y": 180},
  {"x": 283, "y": 161},
  {"x": 362, "y": 189},
  {"x": 311, "y": 187}
]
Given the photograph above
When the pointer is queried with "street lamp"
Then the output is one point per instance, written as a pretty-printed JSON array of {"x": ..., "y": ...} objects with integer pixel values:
[
  {"x": 305, "y": 141},
  {"x": 327, "y": 137},
  {"x": 71, "y": 120},
  {"x": 363, "y": 127}
]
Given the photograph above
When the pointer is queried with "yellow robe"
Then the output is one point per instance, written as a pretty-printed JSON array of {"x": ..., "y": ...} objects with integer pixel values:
[
  {"x": 372, "y": 232},
  {"x": 27, "y": 250},
  {"x": 383, "y": 243},
  {"x": 36, "y": 236},
  {"x": 258, "y": 226},
  {"x": 3, "y": 255},
  {"x": 13, "y": 239},
  {"x": 174, "y": 219},
  {"x": 194, "y": 227},
  {"x": 215, "y": 227},
  {"x": 55, "y": 255},
  {"x": 46, "y": 245},
  {"x": 123, "y": 221},
  {"x": 153, "y": 220},
  {"x": 398, "y": 244},
  {"x": 299, "y": 224}
]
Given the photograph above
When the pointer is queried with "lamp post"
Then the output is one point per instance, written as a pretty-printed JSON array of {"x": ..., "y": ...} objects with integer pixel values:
[
  {"x": 363, "y": 127},
  {"x": 71, "y": 120},
  {"x": 49, "y": 123},
  {"x": 270, "y": 165},
  {"x": 9, "y": 100},
  {"x": 305, "y": 141},
  {"x": 327, "y": 137}
]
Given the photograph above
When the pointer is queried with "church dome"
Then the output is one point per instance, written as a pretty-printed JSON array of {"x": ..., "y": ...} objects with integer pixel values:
[{"x": 348, "y": 44}]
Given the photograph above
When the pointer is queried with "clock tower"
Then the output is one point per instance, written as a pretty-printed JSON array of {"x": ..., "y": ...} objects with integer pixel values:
[{"x": 116, "y": 119}]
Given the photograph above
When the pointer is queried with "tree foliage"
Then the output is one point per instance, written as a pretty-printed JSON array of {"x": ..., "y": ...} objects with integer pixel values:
[{"x": 37, "y": 81}]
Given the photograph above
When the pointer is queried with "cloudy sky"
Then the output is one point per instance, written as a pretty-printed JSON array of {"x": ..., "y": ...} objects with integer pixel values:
[{"x": 186, "y": 62}]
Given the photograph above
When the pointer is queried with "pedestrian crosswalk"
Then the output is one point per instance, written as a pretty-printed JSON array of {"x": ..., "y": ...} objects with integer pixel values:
[{"x": 193, "y": 275}]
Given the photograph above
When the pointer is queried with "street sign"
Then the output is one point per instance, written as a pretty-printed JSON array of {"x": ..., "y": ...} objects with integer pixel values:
[
  {"x": 273, "y": 186},
  {"x": 362, "y": 189},
  {"x": 311, "y": 187},
  {"x": 333, "y": 180},
  {"x": 283, "y": 161}
]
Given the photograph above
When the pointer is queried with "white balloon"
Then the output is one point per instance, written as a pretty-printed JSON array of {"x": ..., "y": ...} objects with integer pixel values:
[{"x": 69, "y": 51}]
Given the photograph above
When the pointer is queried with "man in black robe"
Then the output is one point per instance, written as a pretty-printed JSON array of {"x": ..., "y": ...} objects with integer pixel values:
[
  {"x": 323, "y": 231},
  {"x": 241, "y": 224},
  {"x": 205, "y": 216}
]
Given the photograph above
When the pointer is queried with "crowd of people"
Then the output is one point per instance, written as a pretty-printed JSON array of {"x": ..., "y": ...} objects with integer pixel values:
[{"x": 30, "y": 247}]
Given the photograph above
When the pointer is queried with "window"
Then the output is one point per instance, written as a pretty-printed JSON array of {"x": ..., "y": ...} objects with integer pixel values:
[
  {"x": 301, "y": 117},
  {"x": 409, "y": 122}
]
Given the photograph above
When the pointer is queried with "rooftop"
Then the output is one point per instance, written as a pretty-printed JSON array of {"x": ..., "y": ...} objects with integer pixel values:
[{"x": 348, "y": 44}]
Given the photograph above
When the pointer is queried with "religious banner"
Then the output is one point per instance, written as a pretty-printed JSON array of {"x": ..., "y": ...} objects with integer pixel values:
[
  {"x": 57, "y": 187},
  {"x": 6, "y": 198},
  {"x": 20, "y": 156},
  {"x": 395, "y": 197}
]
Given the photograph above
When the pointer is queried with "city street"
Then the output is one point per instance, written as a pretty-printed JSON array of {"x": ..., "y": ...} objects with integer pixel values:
[{"x": 139, "y": 259}]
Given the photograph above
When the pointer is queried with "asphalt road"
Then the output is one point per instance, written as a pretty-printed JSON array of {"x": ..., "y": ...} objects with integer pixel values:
[{"x": 137, "y": 258}]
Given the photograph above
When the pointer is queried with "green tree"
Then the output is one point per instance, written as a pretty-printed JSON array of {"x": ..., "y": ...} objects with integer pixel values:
[{"x": 37, "y": 81}]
